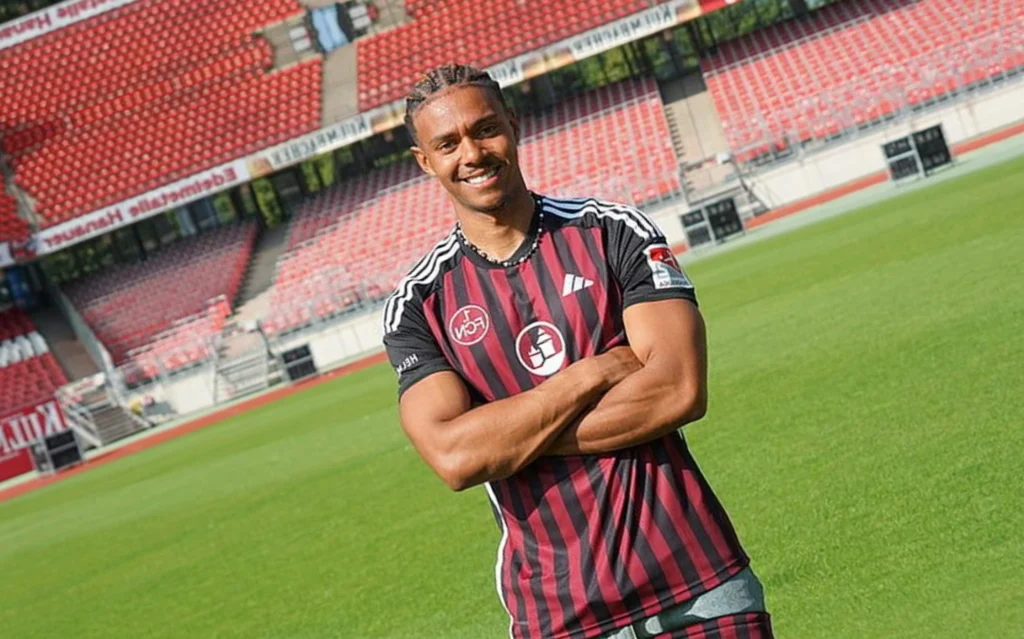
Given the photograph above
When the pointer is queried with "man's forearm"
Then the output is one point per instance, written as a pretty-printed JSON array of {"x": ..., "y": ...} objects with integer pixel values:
[
  {"x": 643, "y": 407},
  {"x": 498, "y": 439}
]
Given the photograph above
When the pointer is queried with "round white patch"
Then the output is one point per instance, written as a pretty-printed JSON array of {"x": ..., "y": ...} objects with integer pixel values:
[
  {"x": 469, "y": 325},
  {"x": 541, "y": 348}
]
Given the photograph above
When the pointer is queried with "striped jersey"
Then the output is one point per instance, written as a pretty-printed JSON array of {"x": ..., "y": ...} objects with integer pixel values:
[{"x": 589, "y": 543}]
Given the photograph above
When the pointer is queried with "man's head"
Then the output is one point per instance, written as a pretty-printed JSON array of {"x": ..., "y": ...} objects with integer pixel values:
[{"x": 466, "y": 136}]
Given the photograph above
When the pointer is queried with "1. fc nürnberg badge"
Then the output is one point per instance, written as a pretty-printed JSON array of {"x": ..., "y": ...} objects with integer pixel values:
[
  {"x": 665, "y": 269},
  {"x": 469, "y": 325},
  {"x": 541, "y": 348}
]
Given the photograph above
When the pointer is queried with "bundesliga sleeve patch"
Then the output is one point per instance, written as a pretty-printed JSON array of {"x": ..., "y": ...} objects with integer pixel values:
[{"x": 665, "y": 269}]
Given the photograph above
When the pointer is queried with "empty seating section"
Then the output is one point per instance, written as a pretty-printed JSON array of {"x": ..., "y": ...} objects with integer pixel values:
[
  {"x": 132, "y": 305},
  {"x": 182, "y": 344},
  {"x": 149, "y": 93},
  {"x": 29, "y": 374},
  {"x": 854, "y": 62},
  {"x": 443, "y": 31},
  {"x": 614, "y": 136}
]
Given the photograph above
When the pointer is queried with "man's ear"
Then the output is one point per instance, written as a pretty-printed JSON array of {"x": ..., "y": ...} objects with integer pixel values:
[{"x": 423, "y": 161}]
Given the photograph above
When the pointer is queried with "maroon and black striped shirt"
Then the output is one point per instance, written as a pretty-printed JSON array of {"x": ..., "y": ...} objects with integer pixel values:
[{"x": 589, "y": 543}]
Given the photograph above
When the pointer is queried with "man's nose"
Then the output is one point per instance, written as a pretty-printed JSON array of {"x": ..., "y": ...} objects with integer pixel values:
[{"x": 472, "y": 152}]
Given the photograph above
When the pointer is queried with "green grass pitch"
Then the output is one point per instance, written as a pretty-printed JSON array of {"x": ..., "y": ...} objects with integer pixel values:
[{"x": 865, "y": 433}]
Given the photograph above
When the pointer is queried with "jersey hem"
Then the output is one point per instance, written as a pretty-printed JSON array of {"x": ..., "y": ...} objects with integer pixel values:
[{"x": 674, "y": 598}]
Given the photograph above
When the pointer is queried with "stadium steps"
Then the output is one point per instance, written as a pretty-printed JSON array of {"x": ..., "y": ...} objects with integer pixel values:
[
  {"x": 697, "y": 135},
  {"x": 282, "y": 43},
  {"x": 64, "y": 346},
  {"x": 339, "y": 89},
  {"x": 114, "y": 423},
  {"x": 92, "y": 413},
  {"x": 259, "y": 274},
  {"x": 252, "y": 370}
]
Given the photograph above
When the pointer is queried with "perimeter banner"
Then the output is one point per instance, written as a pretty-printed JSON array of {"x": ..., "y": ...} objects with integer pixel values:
[
  {"x": 19, "y": 429},
  {"x": 140, "y": 207},
  {"x": 52, "y": 18}
]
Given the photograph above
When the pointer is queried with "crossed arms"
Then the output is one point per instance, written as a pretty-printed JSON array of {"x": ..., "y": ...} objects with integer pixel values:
[{"x": 627, "y": 396}]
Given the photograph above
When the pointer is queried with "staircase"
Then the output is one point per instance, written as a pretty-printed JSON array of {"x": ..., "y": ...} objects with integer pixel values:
[
  {"x": 696, "y": 133},
  {"x": 259, "y": 274},
  {"x": 94, "y": 415},
  {"x": 245, "y": 365},
  {"x": 64, "y": 345}
]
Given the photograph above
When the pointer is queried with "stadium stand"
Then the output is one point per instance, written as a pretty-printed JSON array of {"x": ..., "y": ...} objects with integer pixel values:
[
  {"x": 149, "y": 94},
  {"x": 594, "y": 138},
  {"x": 12, "y": 227},
  {"x": 133, "y": 305},
  {"x": 458, "y": 30},
  {"x": 185, "y": 342},
  {"x": 853, "y": 62},
  {"x": 29, "y": 374}
]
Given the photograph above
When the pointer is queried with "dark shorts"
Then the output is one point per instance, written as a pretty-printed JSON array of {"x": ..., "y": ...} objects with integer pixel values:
[
  {"x": 750, "y": 625},
  {"x": 735, "y": 609}
]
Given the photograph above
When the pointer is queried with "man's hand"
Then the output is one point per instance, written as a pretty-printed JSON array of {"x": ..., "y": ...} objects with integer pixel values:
[
  {"x": 666, "y": 392},
  {"x": 468, "y": 445}
]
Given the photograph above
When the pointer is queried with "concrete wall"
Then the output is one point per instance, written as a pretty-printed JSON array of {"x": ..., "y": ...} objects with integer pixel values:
[{"x": 825, "y": 170}]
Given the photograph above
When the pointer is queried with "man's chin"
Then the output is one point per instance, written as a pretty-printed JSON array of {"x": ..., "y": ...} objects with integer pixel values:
[{"x": 488, "y": 204}]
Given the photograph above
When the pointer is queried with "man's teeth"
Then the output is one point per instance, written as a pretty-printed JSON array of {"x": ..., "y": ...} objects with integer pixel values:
[{"x": 481, "y": 178}]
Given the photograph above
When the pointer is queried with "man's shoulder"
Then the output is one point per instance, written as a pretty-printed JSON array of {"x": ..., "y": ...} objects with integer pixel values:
[
  {"x": 418, "y": 281},
  {"x": 594, "y": 211}
]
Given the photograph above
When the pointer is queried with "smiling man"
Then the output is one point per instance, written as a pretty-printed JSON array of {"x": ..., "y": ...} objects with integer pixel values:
[{"x": 550, "y": 349}]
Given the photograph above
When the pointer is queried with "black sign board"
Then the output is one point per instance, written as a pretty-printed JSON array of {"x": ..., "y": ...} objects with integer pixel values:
[
  {"x": 298, "y": 363},
  {"x": 724, "y": 218}
]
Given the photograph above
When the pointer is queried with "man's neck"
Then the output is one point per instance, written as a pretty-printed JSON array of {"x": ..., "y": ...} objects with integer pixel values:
[{"x": 499, "y": 233}]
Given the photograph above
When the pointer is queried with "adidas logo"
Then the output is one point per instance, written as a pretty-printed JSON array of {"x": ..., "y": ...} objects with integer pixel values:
[{"x": 573, "y": 283}]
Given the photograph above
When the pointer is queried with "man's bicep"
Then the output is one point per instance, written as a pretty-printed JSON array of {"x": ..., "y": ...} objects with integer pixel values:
[
  {"x": 426, "y": 408},
  {"x": 435, "y": 399},
  {"x": 670, "y": 330}
]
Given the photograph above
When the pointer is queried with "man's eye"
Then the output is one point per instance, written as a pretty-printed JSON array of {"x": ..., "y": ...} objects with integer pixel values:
[{"x": 489, "y": 130}]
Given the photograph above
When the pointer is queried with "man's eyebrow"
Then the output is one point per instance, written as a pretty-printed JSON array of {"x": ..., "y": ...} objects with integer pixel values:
[{"x": 486, "y": 119}]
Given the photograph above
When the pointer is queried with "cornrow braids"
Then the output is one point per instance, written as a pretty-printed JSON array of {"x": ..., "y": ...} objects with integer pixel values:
[{"x": 441, "y": 78}]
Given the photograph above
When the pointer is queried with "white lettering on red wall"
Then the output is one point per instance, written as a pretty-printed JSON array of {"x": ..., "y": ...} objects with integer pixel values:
[
  {"x": 19, "y": 429},
  {"x": 52, "y": 18}
]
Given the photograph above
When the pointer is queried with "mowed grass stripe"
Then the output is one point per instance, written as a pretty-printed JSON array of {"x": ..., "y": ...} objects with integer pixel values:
[{"x": 864, "y": 433}]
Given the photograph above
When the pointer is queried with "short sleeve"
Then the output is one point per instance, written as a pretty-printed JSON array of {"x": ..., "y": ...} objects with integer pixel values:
[
  {"x": 412, "y": 349},
  {"x": 642, "y": 261}
]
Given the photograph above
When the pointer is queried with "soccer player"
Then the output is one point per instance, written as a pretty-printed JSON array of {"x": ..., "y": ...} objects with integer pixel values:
[{"x": 550, "y": 349}]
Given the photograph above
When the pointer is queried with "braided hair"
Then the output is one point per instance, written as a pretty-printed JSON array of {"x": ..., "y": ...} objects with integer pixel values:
[{"x": 441, "y": 78}]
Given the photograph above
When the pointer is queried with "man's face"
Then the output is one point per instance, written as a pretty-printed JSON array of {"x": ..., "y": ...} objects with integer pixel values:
[{"x": 467, "y": 140}]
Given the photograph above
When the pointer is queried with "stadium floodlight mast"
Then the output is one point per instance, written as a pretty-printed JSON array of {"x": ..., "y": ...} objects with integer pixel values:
[{"x": 550, "y": 349}]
